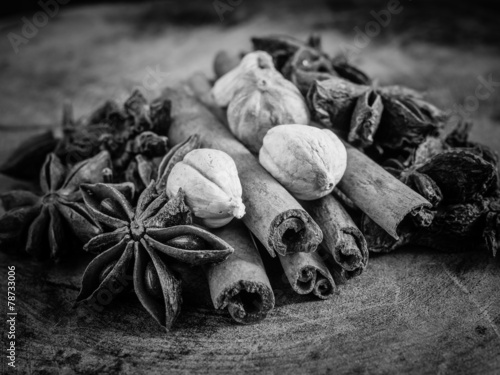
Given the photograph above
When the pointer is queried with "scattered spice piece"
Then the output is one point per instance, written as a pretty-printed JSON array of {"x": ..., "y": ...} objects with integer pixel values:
[
  {"x": 385, "y": 121},
  {"x": 293, "y": 57},
  {"x": 40, "y": 224},
  {"x": 138, "y": 128}
]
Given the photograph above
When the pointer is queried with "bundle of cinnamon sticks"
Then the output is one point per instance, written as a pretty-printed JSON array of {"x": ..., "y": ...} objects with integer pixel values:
[{"x": 304, "y": 235}]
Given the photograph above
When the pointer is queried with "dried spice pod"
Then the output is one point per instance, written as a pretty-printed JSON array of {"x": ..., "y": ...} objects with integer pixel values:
[
  {"x": 143, "y": 238},
  {"x": 407, "y": 119},
  {"x": 305, "y": 79},
  {"x": 365, "y": 119},
  {"x": 462, "y": 184},
  {"x": 430, "y": 147},
  {"x": 40, "y": 224},
  {"x": 137, "y": 128},
  {"x": 174, "y": 156},
  {"x": 280, "y": 47},
  {"x": 291, "y": 55},
  {"x": 27, "y": 159},
  {"x": 425, "y": 186},
  {"x": 456, "y": 228},
  {"x": 332, "y": 102},
  {"x": 147, "y": 145},
  {"x": 461, "y": 175},
  {"x": 348, "y": 71},
  {"x": 308, "y": 59},
  {"x": 140, "y": 171}
]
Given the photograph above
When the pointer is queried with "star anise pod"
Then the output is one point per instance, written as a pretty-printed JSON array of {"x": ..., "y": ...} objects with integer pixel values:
[
  {"x": 42, "y": 224},
  {"x": 145, "y": 239},
  {"x": 119, "y": 130},
  {"x": 386, "y": 121},
  {"x": 145, "y": 169}
]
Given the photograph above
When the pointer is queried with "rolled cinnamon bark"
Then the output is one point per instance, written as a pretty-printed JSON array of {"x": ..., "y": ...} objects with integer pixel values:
[
  {"x": 381, "y": 196},
  {"x": 307, "y": 273},
  {"x": 272, "y": 214},
  {"x": 240, "y": 283},
  {"x": 341, "y": 237}
]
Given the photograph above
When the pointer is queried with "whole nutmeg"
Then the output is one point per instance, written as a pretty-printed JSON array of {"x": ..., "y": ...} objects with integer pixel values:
[
  {"x": 307, "y": 161},
  {"x": 226, "y": 86},
  {"x": 266, "y": 101},
  {"x": 210, "y": 181}
]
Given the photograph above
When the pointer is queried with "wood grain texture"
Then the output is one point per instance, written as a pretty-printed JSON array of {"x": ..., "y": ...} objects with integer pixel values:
[{"x": 413, "y": 311}]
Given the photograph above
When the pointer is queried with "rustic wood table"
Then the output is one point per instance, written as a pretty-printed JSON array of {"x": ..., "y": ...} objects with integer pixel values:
[{"x": 412, "y": 311}]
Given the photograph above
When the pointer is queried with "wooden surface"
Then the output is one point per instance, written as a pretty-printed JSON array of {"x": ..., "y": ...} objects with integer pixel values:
[{"x": 413, "y": 311}]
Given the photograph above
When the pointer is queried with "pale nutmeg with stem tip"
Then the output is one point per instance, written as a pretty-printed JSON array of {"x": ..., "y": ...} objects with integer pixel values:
[
  {"x": 226, "y": 86},
  {"x": 210, "y": 181},
  {"x": 307, "y": 161},
  {"x": 264, "y": 103}
]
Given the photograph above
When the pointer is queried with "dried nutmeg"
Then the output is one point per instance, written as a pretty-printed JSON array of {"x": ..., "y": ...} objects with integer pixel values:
[
  {"x": 266, "y": 101},
  {"x": 307, "y": 161},
  {"x": 210, "y": 181},
  {"x": 226, "y": 87}
]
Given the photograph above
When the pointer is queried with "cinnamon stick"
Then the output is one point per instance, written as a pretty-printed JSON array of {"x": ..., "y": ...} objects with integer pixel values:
[
  {"x": 307, "y": 273},
  {"x": 240, "y": 283},
  {"x": 341, "y": 237},
  {"x": 381, "y": 196},
  {"x": 272, "y": 214}
]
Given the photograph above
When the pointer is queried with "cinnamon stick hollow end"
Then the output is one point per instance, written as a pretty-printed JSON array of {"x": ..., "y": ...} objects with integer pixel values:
[
  {"x": 247, "y": 301},
  {"x": 341, "y": 237},
  {"x": 307, "y": 273},
  {"x": 294, "y": 231},
  {"x": 351, "y": 253},
  {"x": 240, "y": 283}
]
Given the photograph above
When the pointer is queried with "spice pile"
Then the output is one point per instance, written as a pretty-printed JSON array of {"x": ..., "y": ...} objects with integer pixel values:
[{"x": 300, "y": 146}]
